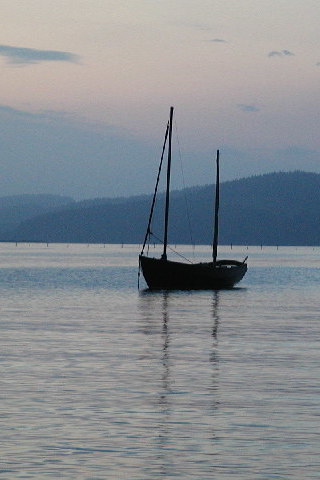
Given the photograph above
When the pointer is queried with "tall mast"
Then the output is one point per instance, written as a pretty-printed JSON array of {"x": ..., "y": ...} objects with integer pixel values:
[
  {"x": 216, "y": 215},
  {"x": 148, "y": 232},
  {"x": 166, "y": 217}
]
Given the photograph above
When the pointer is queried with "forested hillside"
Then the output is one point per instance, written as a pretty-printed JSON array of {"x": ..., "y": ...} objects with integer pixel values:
[
  {"x": 17, "y": 208},
  {"x": 271, "y": 209}
]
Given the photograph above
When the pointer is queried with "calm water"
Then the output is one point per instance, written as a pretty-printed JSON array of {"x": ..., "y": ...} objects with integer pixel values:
[{"x": 102, "y": 381}]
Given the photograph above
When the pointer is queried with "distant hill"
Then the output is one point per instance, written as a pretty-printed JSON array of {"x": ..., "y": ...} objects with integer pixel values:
[
  {"x": 271, "y": 209},
  {"x": 17, "y": 208}
]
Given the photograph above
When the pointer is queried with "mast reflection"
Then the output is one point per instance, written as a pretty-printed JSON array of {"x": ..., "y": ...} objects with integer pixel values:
[
  {"x": 188, "y": 390},
  {"x": 214, "y": 356},
  {"x": 215, "y": 313},
  {"x": 165, "y": 348}
]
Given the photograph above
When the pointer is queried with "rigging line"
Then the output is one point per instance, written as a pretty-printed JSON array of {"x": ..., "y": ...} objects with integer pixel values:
[
  {"x": 172, "y": 249},
  {"x": 184, "y": 187},
  {"x": 148, "y": 232}
]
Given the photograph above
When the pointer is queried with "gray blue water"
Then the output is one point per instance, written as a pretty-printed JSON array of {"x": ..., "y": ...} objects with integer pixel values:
[{"x": 102, "y": 381}]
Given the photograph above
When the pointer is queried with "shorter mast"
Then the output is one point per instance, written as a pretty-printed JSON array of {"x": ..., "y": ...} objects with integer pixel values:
[
  {"x": 166, "y": 218},
  {"x": 216, "y": 214}
]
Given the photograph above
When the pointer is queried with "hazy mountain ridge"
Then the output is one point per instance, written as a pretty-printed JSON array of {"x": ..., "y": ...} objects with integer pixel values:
[
  {"x": 18, "y": 208},
  {"x": 271, "y": 209}
]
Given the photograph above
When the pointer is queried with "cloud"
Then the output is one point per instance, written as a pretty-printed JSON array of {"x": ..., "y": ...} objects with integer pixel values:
[
  {"x": 217, "y": 40},
  {"x": 27, "y": 56},
  {"x": 282, "y": 53},
  {"x": 287, "y": 53},
  {"x": 275, "y": 54},
  {"x": 42, "y": 115},
  {"x": 248, "y": 108},
  {"x": 4, "y": 109},
  {"x": 57, "y": 152}
]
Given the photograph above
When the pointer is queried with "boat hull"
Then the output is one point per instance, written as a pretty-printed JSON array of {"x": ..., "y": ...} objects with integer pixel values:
[{"x": 167, "y": 275}]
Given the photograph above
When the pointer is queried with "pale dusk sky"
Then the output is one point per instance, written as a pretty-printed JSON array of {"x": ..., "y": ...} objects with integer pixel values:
[{"x": 86, "y": 87}]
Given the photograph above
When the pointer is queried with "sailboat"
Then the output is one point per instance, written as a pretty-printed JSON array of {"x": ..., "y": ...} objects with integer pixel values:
[{"x": 163, "y": 274}]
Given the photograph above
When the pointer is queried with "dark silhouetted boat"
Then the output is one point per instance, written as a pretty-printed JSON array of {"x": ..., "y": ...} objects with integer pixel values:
[{"x": 163, "y": 274}]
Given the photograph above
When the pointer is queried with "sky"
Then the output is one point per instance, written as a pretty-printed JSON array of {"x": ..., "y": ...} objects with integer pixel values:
[{"x": 86, "y": 87}]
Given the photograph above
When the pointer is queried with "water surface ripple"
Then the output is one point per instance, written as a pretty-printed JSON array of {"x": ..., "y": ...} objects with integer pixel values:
[{"x": 100, "y": 380}]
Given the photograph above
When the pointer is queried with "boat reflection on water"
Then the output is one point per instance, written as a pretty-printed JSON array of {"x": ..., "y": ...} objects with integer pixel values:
[
  {"x": 216, "y": 320},
  {"x": 214, "y": 355},
  {"x": 182, "y": 353}
]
